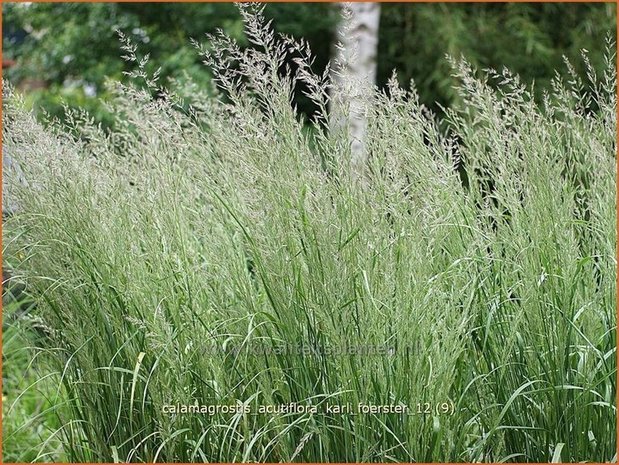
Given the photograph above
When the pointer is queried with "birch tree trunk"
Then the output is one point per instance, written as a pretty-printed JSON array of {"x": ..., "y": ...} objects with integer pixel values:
[{"x": 354, "y": 75}]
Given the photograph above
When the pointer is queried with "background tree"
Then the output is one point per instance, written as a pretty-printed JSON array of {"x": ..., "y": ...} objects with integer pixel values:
[
  {"x": 71, "y": 47},
  {"x": 355, "y": 72},
  {"x": 65, "y": 51},
  {"x": 527, "y": 38}
]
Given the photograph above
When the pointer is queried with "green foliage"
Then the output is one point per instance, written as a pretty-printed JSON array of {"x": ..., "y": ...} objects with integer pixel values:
[
  {"x": 528, "y": 38},
  {"x": 30, "y": 424},
  {"x": 72, "y": 44},
  {"x": 483, "y": 257}
]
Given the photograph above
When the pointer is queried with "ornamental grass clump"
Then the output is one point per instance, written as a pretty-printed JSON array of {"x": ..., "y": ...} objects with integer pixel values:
[{"x": 215, "y": 254}]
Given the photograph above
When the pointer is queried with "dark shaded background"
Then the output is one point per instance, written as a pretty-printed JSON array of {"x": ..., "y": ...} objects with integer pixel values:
[{"x": 65, "y": 51}]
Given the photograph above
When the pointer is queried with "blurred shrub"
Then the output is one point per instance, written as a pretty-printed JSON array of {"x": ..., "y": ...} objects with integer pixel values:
[
  {"x": 529, "y": 39},
  {"x": 72, "y": 47}
]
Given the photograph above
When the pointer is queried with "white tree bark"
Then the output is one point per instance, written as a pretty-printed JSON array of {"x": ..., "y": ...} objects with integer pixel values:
[{"x": 354, "y": 75}]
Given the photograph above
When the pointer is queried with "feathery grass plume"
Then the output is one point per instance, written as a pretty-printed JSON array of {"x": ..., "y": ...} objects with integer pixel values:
[{"x": 217, "y": 251}]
